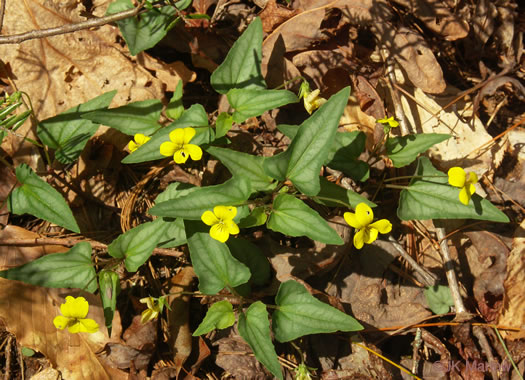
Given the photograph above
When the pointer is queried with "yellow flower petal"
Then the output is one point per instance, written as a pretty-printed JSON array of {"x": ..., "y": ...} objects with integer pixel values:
[
  {"x": 472, "y": 178},
  {"x": 232, "y": 228},
  {"x": 141, "y": 139},
  {"x": 132, "y": 146},
  {"x": 209, "y": 218},
  {"x": 352, "y": 221},
  {"x": 194, "y": 151},
  {"x": 180, "y": 156},
  {"x": 148, "y": 315},
  {"x": 75, "y": 307},
  {"x": 364, "y": 214},
  {"x": 168, "y": 148},
  {"x": 177, "y": 136},
  {"x": 83, "y": 325},
  {"x": 456, "y": 176},
  {"x": 188, "y": 135},
  {"x": 359, "y": 238},
  {"x": 383, "y": 226},
  {"x": 225, "y": 212},
  {"x": 60, "y": 322},
  {"x": 464, "y": 196},
  {"x": 219, "y": 232},
  {"x": 370, "y": 235}
]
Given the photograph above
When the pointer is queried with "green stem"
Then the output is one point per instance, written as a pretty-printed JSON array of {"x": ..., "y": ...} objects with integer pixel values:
[
  {"x": 396, "y": 187},
  {"x": 508, "y": 354}
]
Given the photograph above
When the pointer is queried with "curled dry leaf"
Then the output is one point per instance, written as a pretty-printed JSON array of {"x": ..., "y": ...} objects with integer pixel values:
[
  {"x": 437, "y": 17},
  {"x": 468, "y": 136},
  {"x": 274, "y": 15},
  {"x": 483, "y": 20},
  {"x": 414, "y": 56},
  {"x": 513, "y": 312},
  {"x": 62, "y": 71}
]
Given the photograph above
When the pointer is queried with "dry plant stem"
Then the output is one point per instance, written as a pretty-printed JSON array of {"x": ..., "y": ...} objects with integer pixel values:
[
  {"x": 429, "y": 278},
  {"x": 68, "y": 28},
  {"x": 71, "y": 242},
  {"x": 2, "y": 11},
  {"x": 485, "y": 347},
  {"x": 391, "y": 83},
  {"x": 461, "y": 311},
  {"x": 416, "y": 344}
]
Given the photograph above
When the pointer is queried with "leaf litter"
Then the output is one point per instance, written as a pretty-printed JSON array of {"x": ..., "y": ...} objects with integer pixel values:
[{"x": 434, "y": 48}]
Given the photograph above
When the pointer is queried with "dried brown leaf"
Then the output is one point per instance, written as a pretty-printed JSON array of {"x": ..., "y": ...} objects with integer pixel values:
[
  {"x": 274, "y": 15},
  {"x": 28, "y": 312},
  {"x": 513, "y": 312},
  {"x": 414, "y": 57},
  {"x": 178, "y": 316},
  {"x": 437, "y": 17}
]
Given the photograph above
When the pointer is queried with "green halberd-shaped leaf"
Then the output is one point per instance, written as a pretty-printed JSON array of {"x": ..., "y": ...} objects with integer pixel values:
[
  {"x": 138, "y": 117},
  {"x": 404, "y": 150},
  {"x": 244, "y": 165},
  {"x": 109, "y": 283},
  {"x": 303, "y": 159},
  {"x": 195, "y": 203},
  {"x": 195, "y": 117},
  {"x": 248, "y": 102},
  {"x": 242, "y": 66},
  {"x": 257, "y": 217},
  {"x": 432, "y": 197},
  {"x": 136, "y": 245},
  {"x": 223, "y": 124},
  {"x": 333, "y": 195},
  {"x": 68, "y": 133},
  {"x": 299, "y": 313},
  {"x": 439, "y": 299},
  {"x": 175, "y": 107},
  {"x": 144, "y": 31},
  {"x": 219, "y": 316},
  {"x": 254, "y": 327},
  {"x": 38, "y": 198},
  {"x": 214, "y": 265},
  {"x": 293, "y": 217},
  {"x": 72, "y": 269}
]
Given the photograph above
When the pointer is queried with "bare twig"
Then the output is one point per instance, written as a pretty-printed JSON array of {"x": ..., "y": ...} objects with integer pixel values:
[
  {"x": 2, "y": 11},
  {"x": 461, "y": 311},
  {"x": 485, "y": 347},
  {"x": 429, "y": 278},
  {"x": 71, "y": 242},
  {"x": 68, "y": 28}
]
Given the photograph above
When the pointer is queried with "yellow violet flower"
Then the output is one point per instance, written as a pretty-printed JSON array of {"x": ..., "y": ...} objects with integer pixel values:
[
  {"x": 179, "y": 147},
  {"x": 153, "y": 310},
  {"x": 392, "y": 123},
  {"x": 73, "y": 316},
  {"x": 140, "y": 139},
  {"x": 221, "y": 222},
  {"x": 313, "y": 101},
  {"x": 362, "y": 221},
  {"x": 457, "y": 177}
]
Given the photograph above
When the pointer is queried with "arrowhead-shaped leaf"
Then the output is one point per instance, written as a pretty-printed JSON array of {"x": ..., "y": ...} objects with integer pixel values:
[
  {"x": 38, "y": 198},
  {"x": 254, "y": 327},
  {"x": 299, "y": 314},
  {"x": 72, "y": 269},
  {"x": 242, "y": 66},
  {"x": 68, "y": 133},
  {"x": 404, "y": 150},
  {"x": 244, "y": 165},
  {"x": 303, "y": 159},
  {"x": 219, "y": 316},
  {"x": 195, "y": 203},
  {"x": 431, "y": 197},
  {"x": 254, "y": 102},
  {"x": 293, "y": 217},
  {"x": 136, "y": 245},
  {"x": 251, "y": 256},
  {"x": 138, "y": 117},
  {"x": 214, "y": 265}
]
